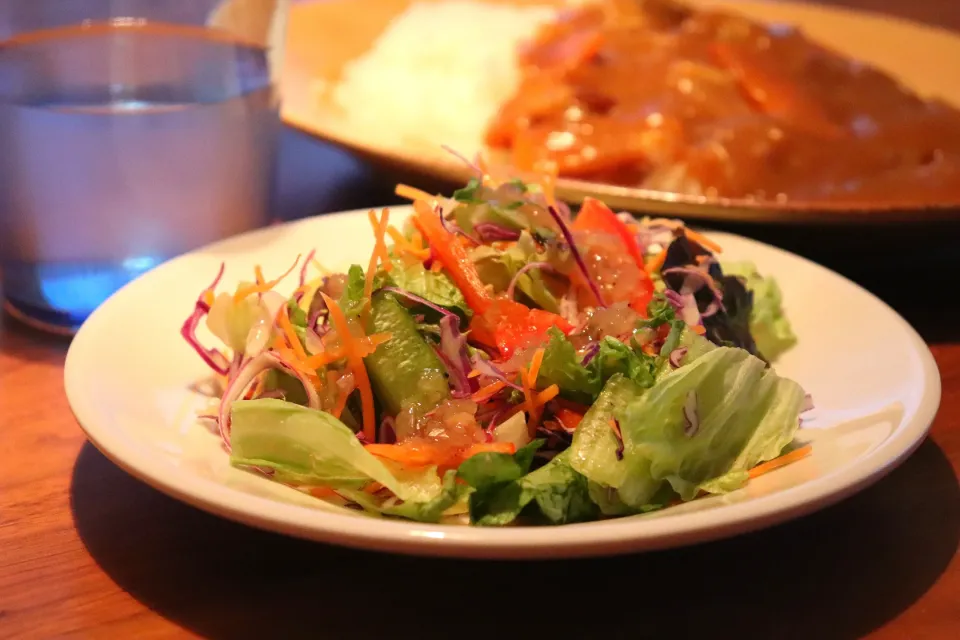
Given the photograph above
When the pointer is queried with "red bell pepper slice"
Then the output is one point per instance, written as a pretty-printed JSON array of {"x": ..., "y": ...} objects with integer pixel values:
[
  {"x": 504, "y": 324},
  {"x": 596, "y": 216}
]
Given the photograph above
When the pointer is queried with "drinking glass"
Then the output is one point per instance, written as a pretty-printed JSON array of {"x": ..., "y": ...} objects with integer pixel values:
[{"x": 132, "y": 131}]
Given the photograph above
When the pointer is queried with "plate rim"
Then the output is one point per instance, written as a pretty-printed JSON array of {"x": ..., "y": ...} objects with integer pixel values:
[
  {"x": 610, "y": 537},
  {"x": 721, "y": 209}
]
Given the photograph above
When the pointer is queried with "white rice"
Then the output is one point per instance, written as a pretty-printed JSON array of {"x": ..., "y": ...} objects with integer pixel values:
[{"x": 438, "y": 73}]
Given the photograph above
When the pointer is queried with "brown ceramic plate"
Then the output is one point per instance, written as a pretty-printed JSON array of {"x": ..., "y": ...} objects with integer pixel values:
[{"x": 324, "y": 36}]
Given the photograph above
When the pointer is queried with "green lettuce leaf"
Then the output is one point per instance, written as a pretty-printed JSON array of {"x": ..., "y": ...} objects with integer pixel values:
[
  {"x": 747, "y": 414},
  {"x": 498, "y": 268},
  {"x": 562, "y": 366},
  {"x": 351, "y": 301},
  {"x": 308, "y": 447},
  {"x": 487, "y": 469},
  {"x": 429, "y": 510},
  {"x": 493, "y": 477},
  {"x": 595, "y": 443},
  {"x": 559, "y": 494},
  {"x": 768, "y": 324},
  {"x": 437, "y": 288}
]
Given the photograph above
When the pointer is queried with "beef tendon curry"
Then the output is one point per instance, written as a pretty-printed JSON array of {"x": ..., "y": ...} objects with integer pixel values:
[{"x": 655, "y": 94}]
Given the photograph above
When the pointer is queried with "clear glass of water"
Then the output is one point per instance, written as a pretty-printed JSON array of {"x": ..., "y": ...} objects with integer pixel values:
[{"x": 132, "y": 131}]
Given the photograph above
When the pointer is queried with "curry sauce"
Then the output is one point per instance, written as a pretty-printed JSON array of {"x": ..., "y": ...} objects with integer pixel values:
[{"x": 655, "y": 94}]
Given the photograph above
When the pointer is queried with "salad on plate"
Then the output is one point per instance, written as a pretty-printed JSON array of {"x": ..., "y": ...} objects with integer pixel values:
[{"x": 498, "y": 360}]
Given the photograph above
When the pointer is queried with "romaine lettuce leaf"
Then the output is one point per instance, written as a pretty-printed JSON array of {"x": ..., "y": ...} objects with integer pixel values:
[
  {"x": 769, "y": 325},
  {"x": 309, "y": 447},
  {"x": 562, "y": 366},
  {"x": 493, "y": 478},
  {"x": 746, "y": 414},
  {"x": 559, "y": 493},
  {"x": 434, "y": 287},
  {"x": 351, "y": 301},
  {"x": 498, "y": 268},
  {"x": 429, "y": 510}
]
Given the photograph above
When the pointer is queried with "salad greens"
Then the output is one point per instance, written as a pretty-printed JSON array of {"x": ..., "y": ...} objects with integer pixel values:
[
  {"x": 768, "y": 323},
  {"x": 504, "y": 361}
]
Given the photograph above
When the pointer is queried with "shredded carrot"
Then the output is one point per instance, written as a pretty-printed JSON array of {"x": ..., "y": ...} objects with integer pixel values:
[
  {"x": 328, "y": 356},
  {"x": 365, "y": 346},
  {"x": 283, "y": 318},
  {"x": 372, "y": 488},
  {"x": 436, "y": 267},
  {"x": 412, "y": 193},
  {"x": 528, "y": 401},
  {"x": 421, "y": 454},
  {"x": 568, "y": 419},
  {"x": 656, "y": 262},
  {"x": 540, "y": 399},
  {"x": 488, "y": 391},
  {"x": 261, "y": 286},
  {"x": 406, "y": 246},
  {"x": 380, "y": 255},
  {"x": 490, "y": 447},
  {"x": 535, "y": 363},
  {"x": 338, "y": 408},
  {"x": 415, "y": 455},
  {"x": 323, "y": 492},
  {"x": 300, "y": 366},
  {"x": 702, "y": 239},
  {"x": 698, "y": 329},
  {"x": 529, "y": 379},
  {"x": 782, "y": 461},
  {"x": 473, "y": 374},
  {"x": 416, "y": 239},
  {"x": 355, "y": 362}
]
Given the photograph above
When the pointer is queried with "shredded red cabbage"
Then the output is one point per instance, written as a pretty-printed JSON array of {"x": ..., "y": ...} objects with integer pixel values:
[
  {"x": 487, "y": 368},
  {"x": 212, "y": 357},
  {"x": 676, "y": 356},
  {"x": 474, "y": 166},
  {"x": 568, "y": 236},
  {"x": 459, "y": 383},
  {"x": 690, "y": 418},
  {"x": 695, "y": 279},
  {"x": 388, "y": 430},
  {"x": 488, "y": 432},
  {"x": 544, "y": 266},
  {"x": 453, "y": 227},
  {"x": 412, "y": 297},
  {"x": 453, "y": 349},
  {"x": 618, "y": 434},
  {"x": 314, "y": 338},
  {"x": 245, "y": 376},
  {"x": 674, "y": 298},
  {"x": 591, "y": 353},
  {"x": 303, "y": 275},
  {"x": 686, "y": 305},
  {"x": 492, "y": 232}
]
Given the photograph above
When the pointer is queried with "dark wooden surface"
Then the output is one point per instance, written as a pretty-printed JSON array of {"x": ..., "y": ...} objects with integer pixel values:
[{"x": 87, "y": 551}]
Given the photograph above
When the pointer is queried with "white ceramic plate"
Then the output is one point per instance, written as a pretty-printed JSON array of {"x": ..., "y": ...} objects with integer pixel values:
[
  {"x": 325, "y": 36},
  {"x": 128, "y": 379}
]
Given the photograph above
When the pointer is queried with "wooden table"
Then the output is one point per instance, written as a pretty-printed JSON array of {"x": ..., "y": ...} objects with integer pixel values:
[{"x": 88, "y": 551}]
